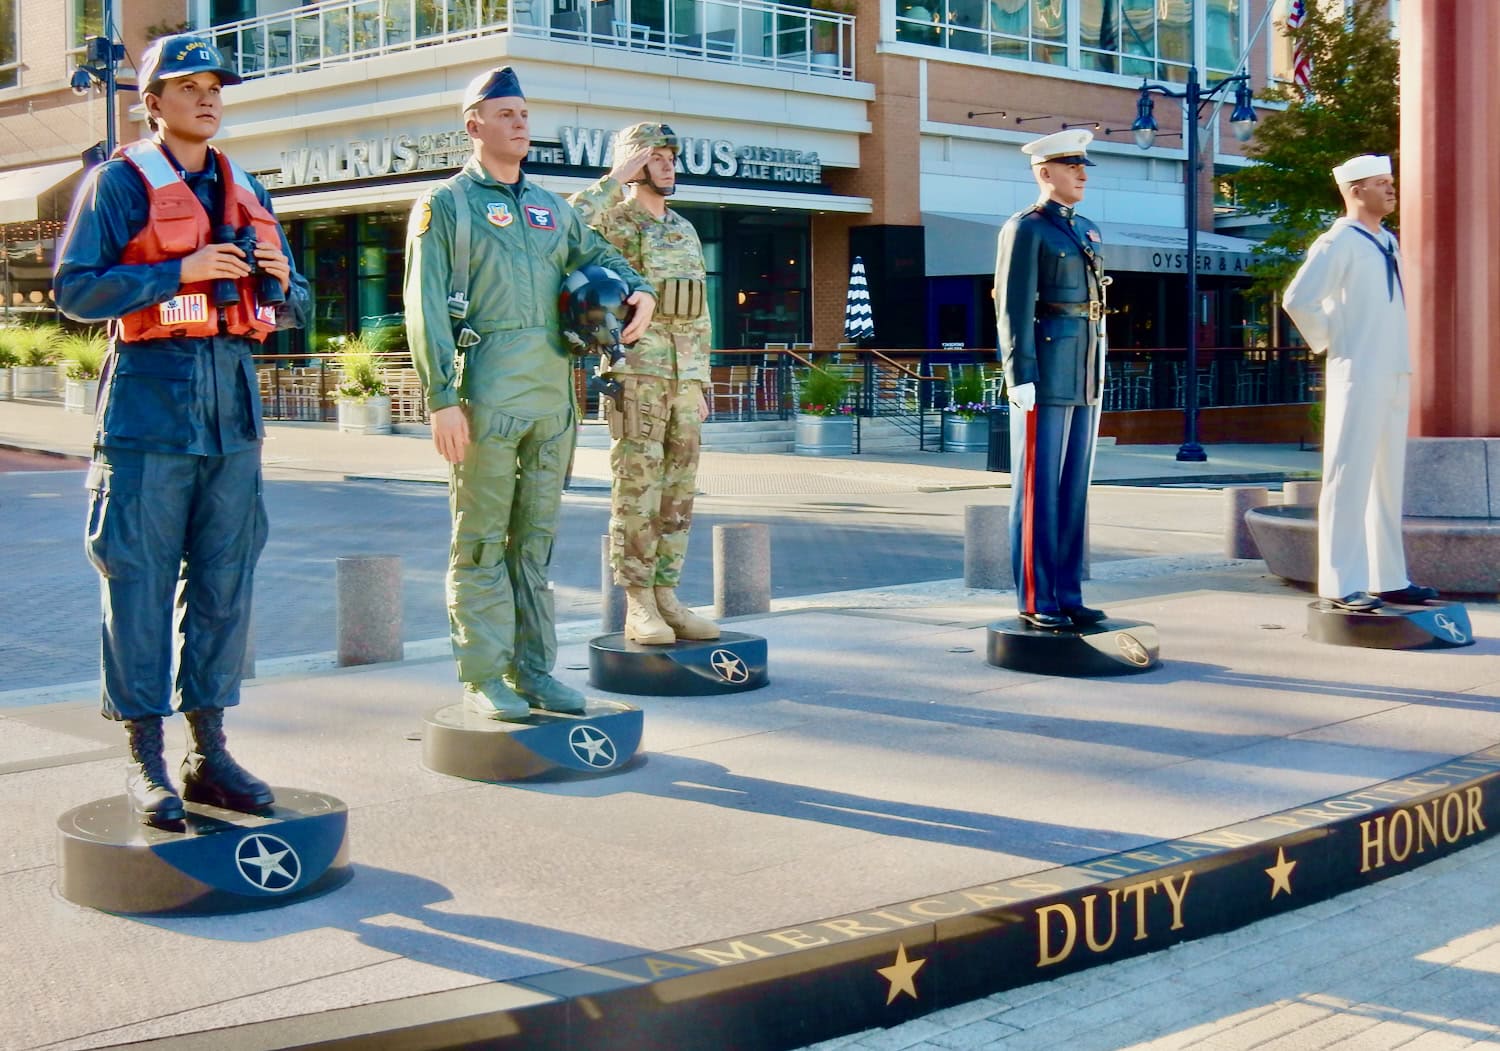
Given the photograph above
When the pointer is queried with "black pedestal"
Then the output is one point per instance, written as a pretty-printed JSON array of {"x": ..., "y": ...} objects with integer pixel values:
[
  {"x": 733, "y": 663},
  {"x": 1391, "y": 627},
  {"x": 462, "y": 743},
  {"x": 1111, "y": 647},
  {"x": 214, "y": 861}
]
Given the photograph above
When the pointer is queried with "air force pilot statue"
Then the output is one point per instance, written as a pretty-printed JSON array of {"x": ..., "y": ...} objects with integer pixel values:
[{"x": 1049, "y": 299}]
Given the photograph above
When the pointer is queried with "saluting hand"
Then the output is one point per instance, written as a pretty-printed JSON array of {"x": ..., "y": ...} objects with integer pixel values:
[
  {"x": 450, "y": 433},
  {"x": 214, "y": 262},
  {"x": 631, "y": 166},
  {"x": 640, "y": 319}
]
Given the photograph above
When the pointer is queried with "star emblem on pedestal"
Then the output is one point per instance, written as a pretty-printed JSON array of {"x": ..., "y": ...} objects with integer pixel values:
[
  {"x": 902, "y": 975},
  {"x": 729, "y": 666},
  {"x": 1281, "y": 874},
  {"x": 267, "y": 862},
  {"x": 592, "y": 746}
]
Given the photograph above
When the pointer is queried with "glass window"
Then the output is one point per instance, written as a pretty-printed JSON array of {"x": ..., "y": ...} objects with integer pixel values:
[
  {"x": 1140, "y": 38},
  {"x": 1222, "y": 18},
  {"x": 1030, "y": 30},
  {"x": 86, "y": 20},
  {"x": 9, "y": 45}
]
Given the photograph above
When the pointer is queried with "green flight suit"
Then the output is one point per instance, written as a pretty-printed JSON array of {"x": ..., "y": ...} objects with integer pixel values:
[
  {"x": 516, "y": 387},
  {"x": 656, "y": 432}
]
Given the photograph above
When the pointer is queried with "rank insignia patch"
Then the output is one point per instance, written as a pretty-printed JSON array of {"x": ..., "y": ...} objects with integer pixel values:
[
  {"x": 499, "y": 214},
  {"x": 1093, "y": 235}
]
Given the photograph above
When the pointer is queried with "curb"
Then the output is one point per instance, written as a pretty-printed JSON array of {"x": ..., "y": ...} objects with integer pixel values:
[{"x": 826, "y": 978}]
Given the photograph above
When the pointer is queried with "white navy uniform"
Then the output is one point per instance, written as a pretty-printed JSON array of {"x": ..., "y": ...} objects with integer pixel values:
[{"x": 1348, "y": 301}]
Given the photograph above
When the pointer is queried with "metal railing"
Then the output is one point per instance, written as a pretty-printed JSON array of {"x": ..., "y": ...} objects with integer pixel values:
[{"x": 751, "y": 33}]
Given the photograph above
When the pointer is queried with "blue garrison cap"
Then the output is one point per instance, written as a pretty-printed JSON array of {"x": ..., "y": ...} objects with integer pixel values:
[
  {"x": 499, "y": 83},
  {"x": 182, "y": 55}
]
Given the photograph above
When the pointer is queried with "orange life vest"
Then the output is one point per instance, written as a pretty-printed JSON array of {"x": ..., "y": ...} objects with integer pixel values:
[{"x": 178, "y": 226}]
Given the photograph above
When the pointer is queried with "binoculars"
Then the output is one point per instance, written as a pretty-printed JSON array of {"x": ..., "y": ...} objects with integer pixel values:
[{"x": 267, "y": 287}]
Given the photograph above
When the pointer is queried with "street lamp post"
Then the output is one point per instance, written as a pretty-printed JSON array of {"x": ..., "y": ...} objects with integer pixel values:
[
  {"x": 1242, "y": 120},
  {"x": 101, "y": 56}
]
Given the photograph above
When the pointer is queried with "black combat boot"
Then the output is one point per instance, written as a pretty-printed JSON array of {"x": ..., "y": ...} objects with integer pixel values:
[
  {"x": 210, "y": 774},
  {"x": 147, "y": 786}
]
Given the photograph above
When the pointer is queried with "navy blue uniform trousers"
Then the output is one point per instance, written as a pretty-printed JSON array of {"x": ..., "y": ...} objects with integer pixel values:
[
  {"x": 1052, "y": 459},
  {"x": 175, "y": 538}
]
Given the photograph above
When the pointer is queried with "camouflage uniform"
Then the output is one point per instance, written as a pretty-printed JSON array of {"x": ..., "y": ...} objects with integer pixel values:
[{"x": 654, "y": 456}]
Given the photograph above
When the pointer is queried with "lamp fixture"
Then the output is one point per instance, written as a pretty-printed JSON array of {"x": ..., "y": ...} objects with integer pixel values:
[
  {"x": 1096, "y": 125},
  {"x": 1025, "y": 120},
  {"x": 987, "y": 113}
]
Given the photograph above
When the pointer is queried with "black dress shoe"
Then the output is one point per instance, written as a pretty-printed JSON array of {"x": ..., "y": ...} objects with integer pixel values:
[
  {"x": 1411, "y": 595},
  {"x": 1081, "y": 615},
  {"x": 1047, "y": 621},
  {"x": 1357, "y": 602}
]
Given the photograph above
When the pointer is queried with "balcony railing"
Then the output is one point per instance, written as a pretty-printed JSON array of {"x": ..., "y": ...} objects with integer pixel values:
[{"x": 751, "y": 33}]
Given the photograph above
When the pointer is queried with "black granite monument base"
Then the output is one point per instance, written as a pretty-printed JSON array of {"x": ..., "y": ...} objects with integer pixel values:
[
  {"x": 213, "y": 861},
  {"x": 462, "y": 743},
  {"x": 1437, "y": 625},
  {"x": 733, "y": 663},
  {"x": 1111, "y": 647}
]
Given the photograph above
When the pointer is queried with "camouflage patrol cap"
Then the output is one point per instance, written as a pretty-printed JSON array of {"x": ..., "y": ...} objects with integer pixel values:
[{"x": 647, "y": 135}]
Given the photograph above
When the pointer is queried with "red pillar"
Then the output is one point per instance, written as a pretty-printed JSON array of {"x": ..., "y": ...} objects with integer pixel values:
[{"x": 1450, "y": 213}]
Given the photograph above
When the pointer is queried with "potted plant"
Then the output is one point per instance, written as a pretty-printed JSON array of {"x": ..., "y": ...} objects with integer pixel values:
[
  {"x": 966, "y": 423},
  {"x": 825, "y": 425},
  {"x": 8, "y": 360},
  {"x": 825, "y": 33},
  {"x": 364, "y": 399},
  {"x": 83, "y": 353},
  {"x": 36, "y": 373}
]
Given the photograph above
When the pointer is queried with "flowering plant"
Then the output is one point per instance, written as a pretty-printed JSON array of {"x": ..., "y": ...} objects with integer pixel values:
[
  {"x": 967, "y": 410},
  {"x": 821, "y": 393},
  {"x": 967, "y": 394}
]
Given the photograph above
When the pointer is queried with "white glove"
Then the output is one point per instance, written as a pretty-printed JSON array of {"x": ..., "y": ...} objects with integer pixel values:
[{"x": 1023, "y": 396}]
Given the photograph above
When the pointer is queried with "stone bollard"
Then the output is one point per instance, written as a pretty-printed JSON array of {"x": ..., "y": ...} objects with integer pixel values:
[
  {"x": 742, "y": 569},
  {"x": 611, "y": 595},
  {"x": 1238, "y": 543},
  {"x": 369, "y": 604},
  {"x": 1301, "y": 494},
  {"x": 987, "y": 547}
]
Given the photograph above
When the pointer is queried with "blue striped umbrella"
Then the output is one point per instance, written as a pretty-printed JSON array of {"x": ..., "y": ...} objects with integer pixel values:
[{"x": 859, "y": 323}]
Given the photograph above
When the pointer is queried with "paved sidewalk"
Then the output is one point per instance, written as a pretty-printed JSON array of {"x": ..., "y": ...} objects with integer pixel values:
[
  {"x": 318, "y": 450},
  {"x": 885, "y": 761}
]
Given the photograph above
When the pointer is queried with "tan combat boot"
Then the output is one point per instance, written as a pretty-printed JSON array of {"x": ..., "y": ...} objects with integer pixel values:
[
  {"x": 643, "y": 623},
  {"x": 683, "y": 621}
]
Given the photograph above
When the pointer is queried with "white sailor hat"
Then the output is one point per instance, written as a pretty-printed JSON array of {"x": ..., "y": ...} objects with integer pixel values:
[
  {"x": 1064, "y": 147},
  {"x": 1361, "y": 167}
]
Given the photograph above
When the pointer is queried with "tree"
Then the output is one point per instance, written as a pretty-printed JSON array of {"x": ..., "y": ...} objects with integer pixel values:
[{"x": 1351, "y": 107}]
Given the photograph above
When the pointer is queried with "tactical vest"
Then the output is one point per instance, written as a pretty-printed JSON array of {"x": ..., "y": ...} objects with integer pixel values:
[{"x": 177, "y": 226}]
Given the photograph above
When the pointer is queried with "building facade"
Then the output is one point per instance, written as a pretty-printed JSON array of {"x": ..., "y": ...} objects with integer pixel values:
[{"x": 887, "y": 129}]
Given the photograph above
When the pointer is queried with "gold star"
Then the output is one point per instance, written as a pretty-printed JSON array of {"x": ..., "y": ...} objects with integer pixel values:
[
  {"x": 1281, "y": 874},
  {"x": 902, "y": 975}
]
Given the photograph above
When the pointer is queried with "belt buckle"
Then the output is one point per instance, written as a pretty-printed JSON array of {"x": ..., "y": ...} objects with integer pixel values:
[{"x": 1096, "y": 310}]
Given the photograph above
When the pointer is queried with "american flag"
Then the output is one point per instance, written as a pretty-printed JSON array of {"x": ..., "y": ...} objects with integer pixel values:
[{"x": 1296, "y": 14}]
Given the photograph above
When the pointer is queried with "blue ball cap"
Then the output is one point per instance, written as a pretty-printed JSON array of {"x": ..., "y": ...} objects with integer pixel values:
[
  {"x": 182, "y": 55},
  {"x": 499, "y": 83}
]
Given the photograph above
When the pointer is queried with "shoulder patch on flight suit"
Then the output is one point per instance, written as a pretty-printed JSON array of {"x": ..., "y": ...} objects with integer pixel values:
[
  {"x": 499, "y": 214},
  {"x": 421, "y": 216},
  {"x": 540, "y": 218}
]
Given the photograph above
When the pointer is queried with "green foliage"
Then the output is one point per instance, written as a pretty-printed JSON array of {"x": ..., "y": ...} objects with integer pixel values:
[
  {"x": 822, "y": 393},
  {"x": 32, "y": 346},
  {"x": 84, "y": 352},
  {"x": 966, "y": 391},
  {"x": 359, "y": 368},
  {"x": 1352, "y": 108}
]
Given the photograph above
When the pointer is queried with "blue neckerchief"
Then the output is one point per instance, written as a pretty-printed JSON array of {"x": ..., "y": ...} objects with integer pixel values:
[{"x": 1392, "y": 269}]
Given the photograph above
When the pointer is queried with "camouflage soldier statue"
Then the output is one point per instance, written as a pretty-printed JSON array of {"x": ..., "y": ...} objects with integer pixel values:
[{"x": 657, "y": 421}]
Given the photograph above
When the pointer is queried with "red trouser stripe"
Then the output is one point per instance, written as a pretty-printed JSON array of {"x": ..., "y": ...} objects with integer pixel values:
[{"x": 1028, "y": 519}]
